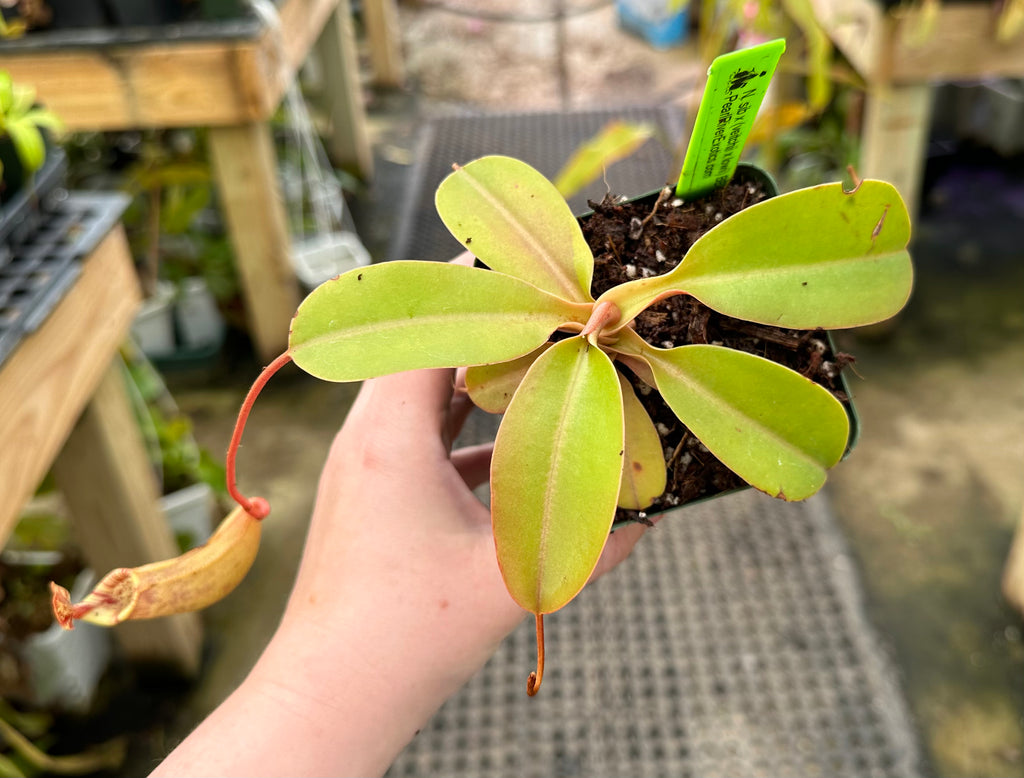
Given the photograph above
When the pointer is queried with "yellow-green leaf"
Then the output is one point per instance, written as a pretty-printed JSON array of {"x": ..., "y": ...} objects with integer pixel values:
[
  {"x": 398, "y": 316},
  {"x": 28, "y": 142},
  {"x": 643, "y": 466},
  {"x": 516, "y": 222},
  {"x": 816, "y": 257},
  {"x": 776, "y": 429},
  {"x": 615, "y": 141},
  {"x": 555, "y": 474},
  {"x": 491, "y": 387}
]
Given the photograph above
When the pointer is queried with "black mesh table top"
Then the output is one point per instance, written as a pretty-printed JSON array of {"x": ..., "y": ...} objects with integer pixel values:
[
  {"x": 733, "y": 642},
  {"x": 543, "y": 140}
]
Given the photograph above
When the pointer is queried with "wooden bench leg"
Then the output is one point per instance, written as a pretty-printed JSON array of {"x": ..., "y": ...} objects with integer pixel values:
[
  {"x": 245, "y": 167},
  {"x": 110, "y": 489},
  {"x": 894, "y": 137},
  {"x": 381, "y": 20},
  {"x": 349, "y": 143}
]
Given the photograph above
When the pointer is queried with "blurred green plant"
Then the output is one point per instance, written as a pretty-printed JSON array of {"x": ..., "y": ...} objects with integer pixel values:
[
  {"x": 173, "y": 228},
  {"x": 27, "y": 736},
  {"x": 25, "y": 123},
  {"x": 178, "y": 460},
  {"x": 613, "y": 142}
]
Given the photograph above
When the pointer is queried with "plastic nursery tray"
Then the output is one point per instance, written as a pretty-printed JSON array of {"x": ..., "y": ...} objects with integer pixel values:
[
  {"x": 245, "y": 27},
  {"x": 45, "y": 263},
  {"x": 21, "y": 215}
]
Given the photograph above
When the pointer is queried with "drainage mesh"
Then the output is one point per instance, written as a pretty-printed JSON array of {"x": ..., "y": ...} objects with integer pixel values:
[
  {"x": 733, "y": 642},
  {"x": 45, "y": 262},
  {"x": 545, "y": 141}
]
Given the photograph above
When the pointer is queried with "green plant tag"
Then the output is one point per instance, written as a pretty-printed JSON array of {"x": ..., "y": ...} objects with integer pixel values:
[{"x": 737, "y": 83}]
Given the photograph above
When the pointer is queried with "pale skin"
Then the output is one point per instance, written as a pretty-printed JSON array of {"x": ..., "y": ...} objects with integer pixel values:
[{"x": 397, "y": 604}]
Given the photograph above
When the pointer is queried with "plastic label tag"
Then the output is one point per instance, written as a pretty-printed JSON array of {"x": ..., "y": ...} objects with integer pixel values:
[{"x": 737, "y": 83}]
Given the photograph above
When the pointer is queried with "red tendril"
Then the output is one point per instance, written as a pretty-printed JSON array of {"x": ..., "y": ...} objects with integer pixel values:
[
  {"x": 533, "y": 682},
  {"x": 256, "y": 507}
]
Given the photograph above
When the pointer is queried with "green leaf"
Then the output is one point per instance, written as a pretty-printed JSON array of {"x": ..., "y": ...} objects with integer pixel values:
[
  {"x": 6, "y": 92},
  {"x": 22, "y": 100},
  {"x": 555, "y": 474},
  {"x": 816, "y": 257},
  {"x": 774, "y": 428},
  {"x": 643, "y": 466},
  {"x": 616, "y": 140},
  {"x": 516, "y": 222},
  {"x": 398, "y": 316},
  {"x": 43, "y": 117},
  {"x": 29, "y": 144},
  {"x": 491, "y": 387}
]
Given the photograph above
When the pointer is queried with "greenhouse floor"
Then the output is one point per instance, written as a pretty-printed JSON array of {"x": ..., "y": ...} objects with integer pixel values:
[{"x": 860, "y": 633}]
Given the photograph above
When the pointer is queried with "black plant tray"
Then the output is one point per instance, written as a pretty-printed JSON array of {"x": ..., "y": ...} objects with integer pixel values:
[
  {"x": 45, "y": 263},
  {"x": 22, "y": 215},
  {"x": 245, "y": 27}
]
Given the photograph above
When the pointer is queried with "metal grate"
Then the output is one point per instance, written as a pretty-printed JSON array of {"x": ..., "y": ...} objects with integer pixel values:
[
  {"x": 733, "y": 642},
  {"x": 45, "y": 263},
  {"x": 544, "y": 140}
]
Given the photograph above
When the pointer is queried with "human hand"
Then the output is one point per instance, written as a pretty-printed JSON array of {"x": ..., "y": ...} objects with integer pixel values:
[{"x": 398, "y": 602}]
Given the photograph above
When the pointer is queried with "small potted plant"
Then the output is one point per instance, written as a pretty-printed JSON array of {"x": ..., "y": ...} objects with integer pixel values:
[
  {"x": 24, "y": 130},
  {"x": 31, "y": 167},
  {"x": 562, "y": 361}
]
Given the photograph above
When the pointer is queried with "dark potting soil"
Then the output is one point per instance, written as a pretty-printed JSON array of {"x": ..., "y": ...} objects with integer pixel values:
[{"x": 648, "y": 237}]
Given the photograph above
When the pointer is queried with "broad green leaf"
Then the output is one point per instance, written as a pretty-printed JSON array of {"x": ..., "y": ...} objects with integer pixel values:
[
  {"x": 643, "y": 466},
  {"x": 774, "y": 428},
  {"x": 555, "y": 474},
  {"x": 491, "y": 387},
  {"x": 397, "y": 316},
  {"x": 816, "y": 257},
  {"x": 29, "y": 144},
  {"x": 516, "y": 222},
  {"x": 616, "y": 140}
]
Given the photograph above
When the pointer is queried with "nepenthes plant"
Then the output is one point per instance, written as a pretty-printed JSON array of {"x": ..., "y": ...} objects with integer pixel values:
[{"x": 574, "y": 443}]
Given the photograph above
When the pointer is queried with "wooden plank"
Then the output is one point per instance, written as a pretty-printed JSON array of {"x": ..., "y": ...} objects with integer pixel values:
[
  {"x": 894, "y": 136},
  {"x": 178, "y": 85},
  {"x": 47, "y": 381},
  {"x": 900, "y": 47},
  {"x": 246, "y": 176},
  {"x": 962, "y": 45},
  {"x": 111, "y": 491},
  {"x": 301, "y": 23},
  {"x": 173, "y": 84},
  {"x": 349, "y": 143},
  {"x": 381, "y": 20},
  {"x": 857, "y": 27}
]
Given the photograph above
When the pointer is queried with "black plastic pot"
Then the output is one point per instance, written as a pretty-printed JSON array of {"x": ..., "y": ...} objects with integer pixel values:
[
  {"x": 78, "y": 14},
  {"x": 219, "y": 10},
  {"x": 755, "y": 175},
  {"x": 143, "y": 13}
]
